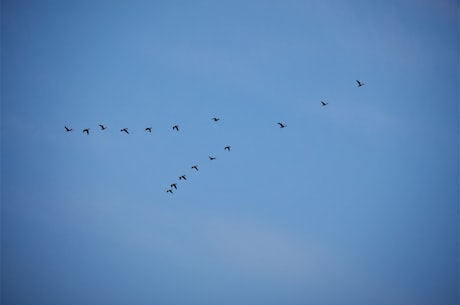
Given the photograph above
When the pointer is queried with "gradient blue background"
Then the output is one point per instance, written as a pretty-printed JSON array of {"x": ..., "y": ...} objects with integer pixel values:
[{"x": 353, "y": 203}]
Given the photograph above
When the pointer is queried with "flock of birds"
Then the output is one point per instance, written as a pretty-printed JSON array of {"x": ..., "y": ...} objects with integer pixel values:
[
  {"x": 125, "y": 130},
  {"x": 176, "y": 128}
]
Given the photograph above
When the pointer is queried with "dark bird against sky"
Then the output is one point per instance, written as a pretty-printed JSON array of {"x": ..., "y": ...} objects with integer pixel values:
[
  {"x": 67, "y": 129},
  {"x": 149, "y": 129},
  {"x": 183, "y": 177},
  {"x": 176, "y": 127},
  {"x": 86, "y": 130},
  {"x": 195, "y": 167},
  {"x": 282, "y": 125},
  {"x": 324, "y": 103},
  {"x": 212, "y": 158},
  {"x": 102, "y": 127},
  {"x": 360, "y": 84},
  {"x": 227, "y": 148}
]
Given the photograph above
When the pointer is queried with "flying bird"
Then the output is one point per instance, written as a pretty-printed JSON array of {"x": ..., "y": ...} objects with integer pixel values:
[
  {"x": 359, "y": 83},
  {"x": 124, "y": 130},
  {"x": 86, "y": 130},
  {"x": 215, "y": 119},
  {"x": 67, "y": 129},
  {"x": 227, "y": 148},
  {"x": 212, "y": 158},
  {"x": 282, "y": 125},
  {"x": 102, "y": 127},
  {"x": 174, "y": 185},
  {"x": 149, "y": 129},
  {"x": 323, "y": 103},
  {"x": 195, "y": 167},
  {"x": 182, "y": 177},
  {"x": 176, "y": 127},
  {"x": 169, "y": 191}
]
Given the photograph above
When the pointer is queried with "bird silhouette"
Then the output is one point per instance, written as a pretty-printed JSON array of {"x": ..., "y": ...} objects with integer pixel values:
[
  {"x": 124, "y": 130},
  {"x": 195, "y": 167},
  {"x": 323, "y": 103},
  {"x": 67, "y": 129},
  {"x": 86, "y": 130},
  {"x": 212, "y": 158},
  {"x": 169, "y": 191},
  {"x": 149, "y": 129},
  {"x": 102, "y": 127},
  {"x": 176, "y": 127},
  {"x": 182, "y": 177},
  {"x": 174, "y": 185},
  {"x": 360, "y": 84},
  {"x": 282, "y": 125},
  {"x": 215, "y": 119},
  {"x": 227, "y": 148}
]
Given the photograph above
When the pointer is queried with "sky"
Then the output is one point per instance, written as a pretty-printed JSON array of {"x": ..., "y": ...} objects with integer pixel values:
[{"x": 353, "y": 203}]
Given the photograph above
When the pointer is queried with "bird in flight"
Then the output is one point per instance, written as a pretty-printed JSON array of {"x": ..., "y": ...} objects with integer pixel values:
[
  {"x": 67, "y": 129},
  {"x": 182, "y": 177},
  {"x": 149, "y": 129},
  {"x": 215, "y": 119},
  {"x": 169, "y": 191},
  {"x": 212, "y": 158},
  {"x": 359, "y": 83},
  {"x": 174, "y": 186},
  {"x": 282, "y": 125},
  {"x": 124, "y": 130},
  {"x": 176, "y": 127},
  {"x": 195, "y": 167},
  {"x": 227, "y": 148},
  {"x": 323, "y": 103},
  {"x": 102, "y": 127},
  {"x": 86, "y": 130}
]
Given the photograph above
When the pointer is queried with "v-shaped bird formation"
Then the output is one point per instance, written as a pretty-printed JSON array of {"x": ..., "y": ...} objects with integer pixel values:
[{"x": 173, "y": 186}]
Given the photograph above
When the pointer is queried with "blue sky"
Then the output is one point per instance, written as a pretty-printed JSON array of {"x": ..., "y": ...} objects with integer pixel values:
[{"x": 353, "y": 203}]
